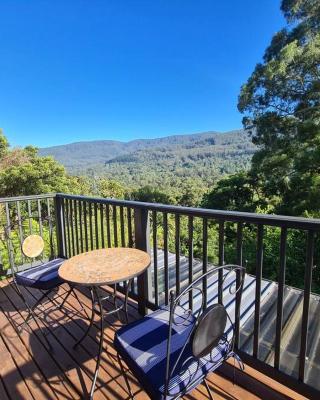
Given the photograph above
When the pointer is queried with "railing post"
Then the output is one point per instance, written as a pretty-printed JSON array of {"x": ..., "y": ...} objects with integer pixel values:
[
  {"x": 142, "y": 242},
  {"x": 59, "y": 226}
]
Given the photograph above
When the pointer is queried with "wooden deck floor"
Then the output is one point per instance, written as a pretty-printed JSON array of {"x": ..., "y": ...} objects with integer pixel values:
[{"x": 29, "y": 371}]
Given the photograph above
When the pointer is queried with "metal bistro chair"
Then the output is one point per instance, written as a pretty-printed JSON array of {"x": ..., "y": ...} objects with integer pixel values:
[
  {"x": 172, "y": 350},
  {"x": 43, "y": 276}
]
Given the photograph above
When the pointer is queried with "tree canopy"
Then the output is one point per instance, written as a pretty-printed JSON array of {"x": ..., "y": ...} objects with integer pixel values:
[
  {"x": 4, "y": 144},
  {"x": 111, "y": 188},
  {"x": 281, "y": 103},
  {"x": 23, "y": 172},
  {"x": 235, "y": 193},
  {"x": 151, "y": 195}
]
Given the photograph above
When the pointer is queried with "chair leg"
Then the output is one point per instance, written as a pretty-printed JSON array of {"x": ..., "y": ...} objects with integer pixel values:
[
  {"x": 208, "y": 390},
  {"x": 125, "y": 377},
  {"x": 32, "y": 314},
  {"x": 39, "y": 301},
  {"x": 237, "y": 359}
]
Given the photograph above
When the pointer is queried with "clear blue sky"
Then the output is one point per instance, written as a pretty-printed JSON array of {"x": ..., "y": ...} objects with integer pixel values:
[{"x": 73, "y": 70}]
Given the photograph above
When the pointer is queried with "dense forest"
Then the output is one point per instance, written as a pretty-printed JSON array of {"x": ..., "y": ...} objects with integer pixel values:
[
  {"x": 169, "y": 161},
  {"x": 281, "y": 107},
  {"x": 204, "y": 160}
]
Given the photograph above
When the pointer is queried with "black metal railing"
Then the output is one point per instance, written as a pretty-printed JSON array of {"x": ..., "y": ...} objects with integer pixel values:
[{"x": 185, "y": 242}]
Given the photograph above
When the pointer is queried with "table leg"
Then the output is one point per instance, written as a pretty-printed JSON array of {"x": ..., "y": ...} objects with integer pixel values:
[
  {"x": 95, "y": 298},
  {"x": 91, "y": 320},
  {"x": 115, "y": 298},
  {"x": 127, "y": 289},
  {"x": 100, "y": 343}
]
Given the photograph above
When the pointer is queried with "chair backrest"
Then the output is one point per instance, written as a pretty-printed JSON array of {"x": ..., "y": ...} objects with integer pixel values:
[
  {"x": 209, "y": 330},
  {"x": 32, "y": 246},
  {"x": 208, "y": 325}
]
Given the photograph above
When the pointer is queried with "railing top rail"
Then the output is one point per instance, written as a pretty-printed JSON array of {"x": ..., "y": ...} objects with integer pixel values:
[
  {"x": 230, "y": 216},
  {"x": 25, "y": 198}
]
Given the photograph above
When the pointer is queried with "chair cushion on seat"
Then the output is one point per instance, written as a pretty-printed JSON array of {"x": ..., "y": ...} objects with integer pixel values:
[
  {"x": 143, "y": 346},
  {"x": 44, "y": 276}
]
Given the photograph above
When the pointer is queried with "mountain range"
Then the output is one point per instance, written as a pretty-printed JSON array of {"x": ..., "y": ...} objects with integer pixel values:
[{"x": 206, "y": 155}]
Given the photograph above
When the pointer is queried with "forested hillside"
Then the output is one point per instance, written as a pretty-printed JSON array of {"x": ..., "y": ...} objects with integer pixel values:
[{"x": 204, "y": 156}]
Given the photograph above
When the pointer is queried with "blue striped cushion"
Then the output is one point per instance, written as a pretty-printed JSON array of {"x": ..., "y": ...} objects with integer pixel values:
[
  {"x": 44, "y": 276},
  {"x": 143, "y": 346}
]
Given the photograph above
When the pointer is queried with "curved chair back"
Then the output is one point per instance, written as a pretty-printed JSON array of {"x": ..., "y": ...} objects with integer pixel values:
[{"x": 209, "y": 326}]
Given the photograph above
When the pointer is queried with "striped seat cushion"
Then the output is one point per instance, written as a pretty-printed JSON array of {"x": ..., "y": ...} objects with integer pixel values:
[
  {"x": 44, "y": 276},
  {"x": 143, "y": 346}
]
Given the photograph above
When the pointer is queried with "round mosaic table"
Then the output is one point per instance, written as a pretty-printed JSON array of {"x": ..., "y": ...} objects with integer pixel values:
[{"x": 101, "y": 267}]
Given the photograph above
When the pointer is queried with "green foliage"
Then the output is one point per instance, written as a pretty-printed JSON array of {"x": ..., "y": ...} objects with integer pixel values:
[
  {"x": 281, "y": 101},
  {"x": 186, "y": 193},
  {"x": 190, "y": 192},
  {"x": 308, "y": 11},
  {"x": 111, "y": 188},
  {"x": 23, "y": 172},
  {"x": 295, "y": 254},
  {"x": 34, "y": 177},
  {"x": 150, "y": 195},
  {"x": 4, "y": 144},
  {"x": 80, "y": 185},
  {"x": 234, "y": 193}
]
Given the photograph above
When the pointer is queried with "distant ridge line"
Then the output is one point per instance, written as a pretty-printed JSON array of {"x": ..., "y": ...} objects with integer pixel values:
[
  {"x": 176, "y": 135},
  {"x": 197, "y": 153}
]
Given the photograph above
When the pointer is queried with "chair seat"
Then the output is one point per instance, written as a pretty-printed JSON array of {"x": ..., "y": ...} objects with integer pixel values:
[
  {"x": 44, "y": 276},
  {"x": 143, "y": 346}
]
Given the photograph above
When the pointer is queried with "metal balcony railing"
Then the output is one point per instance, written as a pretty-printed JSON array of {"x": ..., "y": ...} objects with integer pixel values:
[{"x": 185, "y": 242}]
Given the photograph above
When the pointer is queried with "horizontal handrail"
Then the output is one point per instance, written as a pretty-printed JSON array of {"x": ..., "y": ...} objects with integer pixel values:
[
  {"x": 25, "y": 198},
  {"x": 232, "y": 216}
]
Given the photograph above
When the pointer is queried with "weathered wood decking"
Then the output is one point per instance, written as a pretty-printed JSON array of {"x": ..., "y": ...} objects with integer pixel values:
[{"x": 29, "y": 371}]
